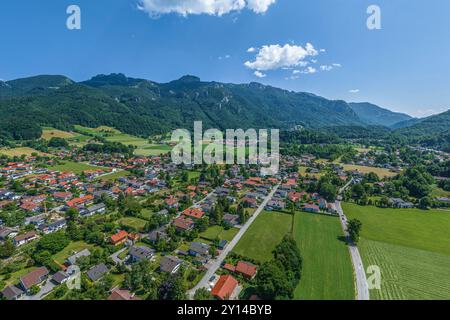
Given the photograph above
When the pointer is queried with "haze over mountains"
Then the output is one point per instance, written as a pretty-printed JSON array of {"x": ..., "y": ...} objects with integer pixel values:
[{"x": 144, "y": 107}]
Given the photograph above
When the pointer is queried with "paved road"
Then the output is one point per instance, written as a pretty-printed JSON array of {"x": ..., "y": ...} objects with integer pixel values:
[
  {"x": 361, "y": 280},
  {"x": 217, "y": 262}
]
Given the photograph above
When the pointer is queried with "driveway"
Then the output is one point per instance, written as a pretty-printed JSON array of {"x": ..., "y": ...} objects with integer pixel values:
[
  {"x": 215, "y": 264},
  {"x": 45, "y": 290},
  {"x": 115, "y": 256}
]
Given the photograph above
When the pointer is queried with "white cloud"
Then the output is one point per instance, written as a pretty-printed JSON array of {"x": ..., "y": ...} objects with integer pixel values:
[
  {"x": 309, "y": 70},
  {"x": 252, "y": 49},
  {"x": 196, "y": 7},
  {"x": 259, "y": 74},
  {"x": 225, "y": 57},
  {"x": 272, "y": 57},
  {"x": 259, "y": 6},
  {"x": 354, "y": 91}
]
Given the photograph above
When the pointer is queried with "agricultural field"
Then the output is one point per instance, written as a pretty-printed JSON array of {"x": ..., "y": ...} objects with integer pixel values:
[
  {"x": 327, "y": 269},
  {"x": 381, "y": 172},
  {"x": 303, "y": 172},
  {"x": 411, "y": 247},
  {"x": 20, "y": 151},
  {"x": 48, "y": 133},
  {"x": 143, "y": 146},
  {"x": 75, "y": 167},
  {"x": 264, "y": 235}
]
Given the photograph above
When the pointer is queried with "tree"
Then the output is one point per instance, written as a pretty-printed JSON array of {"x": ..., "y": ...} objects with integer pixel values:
[
  {"x": 202, "y": 294},
  {"x": 354, "y": 227},
  {"x": 173, "y": 288},
  {"x": 425, "y": 203},
  {"x": 34, "y": 290},
  {"x": 53, "y": 242},
  {"x": 72, "y": 214},
  {"x": 328, "y": 191},
  {"x": 7, "y": 249}
]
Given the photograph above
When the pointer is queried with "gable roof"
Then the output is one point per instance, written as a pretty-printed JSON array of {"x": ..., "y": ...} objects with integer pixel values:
[
  {"x": 34, "y": 277},
  {"x": 246, "y": 268},
  {"x": 224, "y": 287},
  {"x": 12, "y": 292},
  {"x": 119, "y": 294}
]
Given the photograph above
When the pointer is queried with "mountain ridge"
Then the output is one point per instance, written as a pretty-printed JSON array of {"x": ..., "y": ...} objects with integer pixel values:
[{"x": 144, "y": 107}]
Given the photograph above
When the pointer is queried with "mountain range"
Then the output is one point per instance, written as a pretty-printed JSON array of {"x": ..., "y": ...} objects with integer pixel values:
[{"x": 143, "y": 107}]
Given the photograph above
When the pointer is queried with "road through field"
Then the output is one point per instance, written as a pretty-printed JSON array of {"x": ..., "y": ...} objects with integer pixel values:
[
  {"x": 217, "y": 262},
  {"x": 362, "y": 288}
]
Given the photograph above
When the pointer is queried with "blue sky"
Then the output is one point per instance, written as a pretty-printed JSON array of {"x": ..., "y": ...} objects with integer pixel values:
[{"x": 405, "y": 66}]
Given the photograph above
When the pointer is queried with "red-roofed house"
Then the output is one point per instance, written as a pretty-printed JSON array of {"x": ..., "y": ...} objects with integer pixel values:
[
  {"x": 224, "y": 287},
  {"x": 86, "y": 200},
  {"x": 248, "y": 270},
  {"x": 183, "y": 224},
  {"x": 118, "y": 238},
  {"x": 34, "y": 278},
  {"x": 195, "y": 213}
]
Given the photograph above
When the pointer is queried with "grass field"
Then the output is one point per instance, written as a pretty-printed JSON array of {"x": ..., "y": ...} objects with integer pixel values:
[
  {"x": 115, "y": 175},
  {"x": 143, "y": 146},
  {"x": 327, "y": 269},
  {"x": 17, "y": 152},
  {"x": 48, "y": 133},
  {"x": 132, "y": 222},
  {"x": 411, "y": 247},
  {"x": 439, "y": 193},
  {"x": 75, "y": 167},
  {"x": 264, "y": 235},
  {"x": 381, "y": 172},
  {"x": 72, "y": 248},
  {"x": 219, "y": 232}
]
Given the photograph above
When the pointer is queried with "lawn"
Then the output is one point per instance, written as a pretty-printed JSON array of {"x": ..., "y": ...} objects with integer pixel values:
[
  {"x": 264, "y": 235},
  {"x": 381, "y": 172},
  {"x": 146, "y": 213},
  {"x": 411, "y": 247},
  {"x": 327, "y": 269},
  {"x": 219, "y": 232},
  {"x": 75, "y": 167},
  {"x": 72, "y": 248},
  {"x": 17, "y": 152},
  {"x": 133, "y": 222}
]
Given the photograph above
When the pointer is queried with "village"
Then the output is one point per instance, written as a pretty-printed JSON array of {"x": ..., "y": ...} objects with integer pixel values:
[{"x": 173, "y": 216}]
